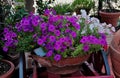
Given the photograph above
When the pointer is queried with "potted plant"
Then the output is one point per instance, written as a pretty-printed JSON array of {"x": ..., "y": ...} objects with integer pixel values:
[
  {"x": 42, "y": 5},
  {"x": 59, "y": 37},
  {"x": 6, "y": 68},
  {"x": 83, "y": 4},
  {"x": 110, "y": 14},
  {"x": 63, "y": 9}
]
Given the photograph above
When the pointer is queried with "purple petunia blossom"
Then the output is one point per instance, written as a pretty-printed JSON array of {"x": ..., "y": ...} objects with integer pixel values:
[
  {"x": 51, "y": 28},
  {"x": 52, "y": 38},
  {"x": 13, "y": 34},
  {"x": 40, "y": 41},
  {"x": 57, "y": 32},
  {"x": 57, "y": 47},
  {"x": 62, "y": 39},
  {"x": 76, "y": 25},
  {"x": 35, "y": 22},
  {"x": 86, "y": 48},
  {"x": 25, "y": 21},
  {"x": 103, "y": 36},
  {"x": 43, "y": 25},
  {"x": 84, "y": 39},
  {"x": 67, "y": 31},
  {"x": 28, "y": 28},
  {"x": 72, "y": 19},
  {"x": 57, "y": 57},
  {"x": 49, "y": 53},
  {"x": 9, "y": 43},
  {"x": 5, "y": 49},
  {"x": 6, "y": 30},
  {"x": 103, "y": 42},
  {"x": 49, "y": 46},
  {"x": 74, "y": 34},
  {"x": 7, "y": 36}
]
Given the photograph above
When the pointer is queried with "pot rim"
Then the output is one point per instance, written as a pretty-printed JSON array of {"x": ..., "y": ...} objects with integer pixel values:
[{"x": 12, "y": 67}]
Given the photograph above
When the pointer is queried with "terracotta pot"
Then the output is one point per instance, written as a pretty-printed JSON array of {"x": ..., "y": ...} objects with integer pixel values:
[
  {"x": 9, "y": 73},
  {"x": 109, "y": 18},
  {"x": 64, "y": 66},
  {"x": 114, "y": 50}
]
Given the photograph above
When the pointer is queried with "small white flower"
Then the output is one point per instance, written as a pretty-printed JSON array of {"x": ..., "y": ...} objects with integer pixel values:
[
  {"x": 83, "y": 13},
  {"x": 74, "y": 14},
  {"x": 109, "y": 25},
  {"x": 113, "y": 29},
  {"x": 91, "y": 26},
  {"x": 103, "y": 24},
  {"x": 83, "y": 32}
]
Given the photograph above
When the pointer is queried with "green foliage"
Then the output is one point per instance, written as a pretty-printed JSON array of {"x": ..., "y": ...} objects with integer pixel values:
[
  {"x": 25, "y": 42},
  {"x": 42, "y": 5},
  {"x": 16, "y": 16},
  {"x": 63, "y": 8},
  {"x": 83, "y": 4},
  {"x": 78, "y": 51}
]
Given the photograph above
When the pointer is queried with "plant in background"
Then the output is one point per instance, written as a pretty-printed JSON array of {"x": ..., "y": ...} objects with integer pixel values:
[
  {"x": 110, "y": 11},
  {"x": 111, "y": 5},
  {"x": 63, "y": 9},
  {"x": 83, "y": 4},
  {"x": 58, "y": 35},
  {"x": 42, "y": 5},
  {"x": 16, "y": 15}
]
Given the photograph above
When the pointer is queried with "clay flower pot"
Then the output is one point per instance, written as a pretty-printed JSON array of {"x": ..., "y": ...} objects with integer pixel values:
[
  {"x": 9, "y": 73},
  {"x": 110, "y": 18},
  {"x": 115, "y": 53},
  {"x": 64, "y": 66}
]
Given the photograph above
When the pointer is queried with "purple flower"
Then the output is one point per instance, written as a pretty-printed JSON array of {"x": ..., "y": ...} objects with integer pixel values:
[
  {"x": 44, "y": 38},
  {"x": 7, "y": 36},
  {"x": 28, "y": 28},
  {"x": 13, "y": 34},
  {"x": 77, "y": 26},
  {"x": 40, "y": 41},
  {"x": 57, "y": 57},
  {"x": 103, "y": 42},
  {"x": 51, "y": 28},
  {"x": 57, "y": 47},
  {"x": 9, "y": 43},
  {"x": 103, "y": 36},
  {"x": 6, "y": 30},
  {"x": 5, "y": 49},
  {"x": 43, "y": 25},
  {"x": 49, "y": 12},
  {"x": 86, "y": 48},
  {"x": 67, "y": 30},
  {"x": 57, "y": 32},
  {"x": 62, "y": 39},
  {"x": 84, "y": 39},
  {"x": 49, "y": 53},
  {"x": 72, "y": 19},
  {"x": 25, "y": 21},
  {"x": 49, "y": 46},
  {"x": 74, "y": 34},
  {"x": 52, "y": 38},
  {"x": 35, "y": 22}
]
